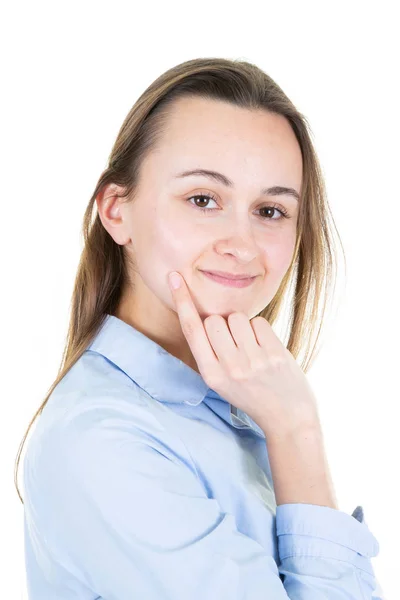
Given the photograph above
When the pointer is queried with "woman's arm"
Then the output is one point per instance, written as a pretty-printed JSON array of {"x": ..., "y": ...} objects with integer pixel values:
[{"x": 300, "y": 469}]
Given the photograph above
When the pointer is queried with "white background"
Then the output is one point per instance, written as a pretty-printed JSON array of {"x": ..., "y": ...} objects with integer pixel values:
[{"x": 70, "y": 73}]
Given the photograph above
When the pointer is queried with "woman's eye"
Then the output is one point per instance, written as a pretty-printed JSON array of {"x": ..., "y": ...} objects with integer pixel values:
[
  {"x": 208, "y": 198},
  {"x": 274, "y": 209}
]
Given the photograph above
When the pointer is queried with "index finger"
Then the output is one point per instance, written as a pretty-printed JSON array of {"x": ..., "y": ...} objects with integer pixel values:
[{"x": 192, "y": 327}]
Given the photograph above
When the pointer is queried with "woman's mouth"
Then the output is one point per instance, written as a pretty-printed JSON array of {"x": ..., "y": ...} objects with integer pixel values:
[{"x": 237, "y": 283}]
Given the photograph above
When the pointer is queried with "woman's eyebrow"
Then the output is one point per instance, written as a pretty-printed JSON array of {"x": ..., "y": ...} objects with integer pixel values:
[{"x": 276, "y": 190}]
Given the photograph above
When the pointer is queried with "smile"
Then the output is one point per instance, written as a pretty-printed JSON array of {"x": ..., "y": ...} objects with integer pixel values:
[{"x": 237, "y": 283}]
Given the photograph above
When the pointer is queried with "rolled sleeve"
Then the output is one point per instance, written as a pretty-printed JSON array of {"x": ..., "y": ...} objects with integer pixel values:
[{"x": 312, "y": 539}]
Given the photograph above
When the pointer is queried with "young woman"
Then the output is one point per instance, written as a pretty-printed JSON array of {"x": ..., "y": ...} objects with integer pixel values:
[{"x": 179, "y": 454}]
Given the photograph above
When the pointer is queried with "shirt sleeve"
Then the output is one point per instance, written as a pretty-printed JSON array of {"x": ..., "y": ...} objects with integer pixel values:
[
  {"x": 125, "y": 512},
  {"x": 318, "y": 544}
]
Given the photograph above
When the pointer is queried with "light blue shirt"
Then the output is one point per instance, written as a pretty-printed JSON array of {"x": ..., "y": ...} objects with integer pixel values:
[{"x": 140, "y": 482}]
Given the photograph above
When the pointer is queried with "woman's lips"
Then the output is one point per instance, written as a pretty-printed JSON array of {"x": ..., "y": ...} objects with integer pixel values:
[{"x": 237, "y": 283}]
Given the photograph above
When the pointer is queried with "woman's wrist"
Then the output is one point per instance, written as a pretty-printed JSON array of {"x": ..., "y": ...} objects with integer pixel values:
[{"x": 300, "y": 469}]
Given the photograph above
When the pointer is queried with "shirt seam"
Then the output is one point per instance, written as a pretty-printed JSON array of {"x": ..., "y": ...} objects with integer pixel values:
[
  {"x": 308, "y": 555},
  {"x": 194, "y": 465},
  {"x": 364, "y": 597}
]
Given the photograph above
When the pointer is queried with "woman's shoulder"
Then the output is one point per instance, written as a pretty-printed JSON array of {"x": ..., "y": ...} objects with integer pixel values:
[{"x": 94, "y": 398}]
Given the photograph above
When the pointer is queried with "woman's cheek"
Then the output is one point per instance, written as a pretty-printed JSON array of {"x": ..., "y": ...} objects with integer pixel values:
[{"x": 171, "y": 241}]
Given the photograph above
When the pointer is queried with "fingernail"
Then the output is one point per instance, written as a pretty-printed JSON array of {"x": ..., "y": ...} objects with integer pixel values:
[{"x": 175, "y": 280}]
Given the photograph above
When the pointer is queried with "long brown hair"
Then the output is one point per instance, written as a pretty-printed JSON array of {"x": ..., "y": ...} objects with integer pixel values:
[{"x": 104, "y": 267}]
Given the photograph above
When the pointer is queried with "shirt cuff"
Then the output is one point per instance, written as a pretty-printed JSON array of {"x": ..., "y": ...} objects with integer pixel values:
[{"x": 313, "y": 530}]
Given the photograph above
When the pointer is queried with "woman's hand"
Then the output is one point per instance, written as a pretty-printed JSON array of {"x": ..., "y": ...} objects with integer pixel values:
[{"x": 246, "y": 363}]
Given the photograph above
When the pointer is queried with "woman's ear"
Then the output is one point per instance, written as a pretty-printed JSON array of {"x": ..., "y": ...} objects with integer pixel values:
[{"x": 109, "y": 206}]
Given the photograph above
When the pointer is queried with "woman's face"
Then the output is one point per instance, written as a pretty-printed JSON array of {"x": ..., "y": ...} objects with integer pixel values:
[{"x": 166, "y": 230}]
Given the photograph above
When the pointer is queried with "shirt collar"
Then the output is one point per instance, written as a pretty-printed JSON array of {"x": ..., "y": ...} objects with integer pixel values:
[{"x": 162, "y": 375}]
